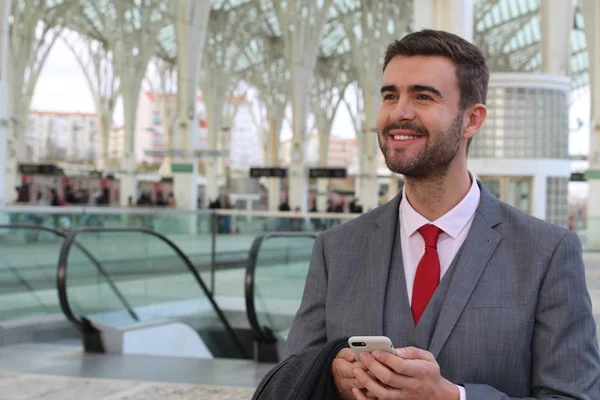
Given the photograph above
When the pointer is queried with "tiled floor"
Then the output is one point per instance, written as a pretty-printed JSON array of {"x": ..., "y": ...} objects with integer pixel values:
[
  {"x": 38, "y": 371},
  {"x": 46, "y": 387}
]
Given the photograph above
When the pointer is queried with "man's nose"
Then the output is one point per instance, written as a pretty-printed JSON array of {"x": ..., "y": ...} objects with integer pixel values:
[{"x": 403, "y": 111}]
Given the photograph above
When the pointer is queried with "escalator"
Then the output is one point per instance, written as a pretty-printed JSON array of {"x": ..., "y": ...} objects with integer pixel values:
[
  {"x": 275, "y": 279},
  {"x": 123, "y": 287},
  {"x": 112, "y": 278},
  {"x": 27, "y": 270}
]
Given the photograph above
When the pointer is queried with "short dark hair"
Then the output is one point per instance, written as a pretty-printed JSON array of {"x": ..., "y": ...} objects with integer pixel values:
[{"x": 471, "y": 69}]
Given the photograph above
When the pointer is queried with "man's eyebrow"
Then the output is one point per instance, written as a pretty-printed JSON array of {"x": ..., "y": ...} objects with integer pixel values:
[
  {"x": 389, "y": 88},
  {"x": 425, "y": 88}
]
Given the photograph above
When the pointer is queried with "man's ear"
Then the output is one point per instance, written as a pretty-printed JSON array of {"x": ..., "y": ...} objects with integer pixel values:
[{"x": 474, "y": 117}]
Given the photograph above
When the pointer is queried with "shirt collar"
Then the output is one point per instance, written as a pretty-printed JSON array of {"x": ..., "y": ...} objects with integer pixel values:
[{"x": 452, "y": 223}]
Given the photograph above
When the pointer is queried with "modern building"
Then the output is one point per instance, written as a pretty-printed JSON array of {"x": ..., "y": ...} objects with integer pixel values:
[
  {"x": 116, "y": 146},
  {"x": 521, "y": 152},
  {"x": 62, "y": 136},
  {"x": 342, "y": 152},
  {"x": 150, "y": 139}
]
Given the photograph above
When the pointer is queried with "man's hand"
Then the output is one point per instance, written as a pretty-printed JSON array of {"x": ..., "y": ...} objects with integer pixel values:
[
  {"x": 343, "y": 368},
  {"x": 410, "y": 374}
]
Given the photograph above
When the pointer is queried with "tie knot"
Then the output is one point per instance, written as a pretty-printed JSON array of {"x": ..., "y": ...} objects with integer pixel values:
[{"x": 430, "y": 234}]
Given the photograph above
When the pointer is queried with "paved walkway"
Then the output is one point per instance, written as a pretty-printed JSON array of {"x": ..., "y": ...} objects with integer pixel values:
[
  {"x": 64, "y": 372},
  {"x": 45, "y": 387}
]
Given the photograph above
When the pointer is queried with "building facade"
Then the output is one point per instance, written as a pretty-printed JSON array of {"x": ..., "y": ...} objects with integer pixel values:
[
  {"x": 342, "y": 152},
  {"x": 62, "y": 136},
  {"x": 116, "y": 146},
  {"x": 521, "y": 153},
  {"x": 150, "y": 139}
]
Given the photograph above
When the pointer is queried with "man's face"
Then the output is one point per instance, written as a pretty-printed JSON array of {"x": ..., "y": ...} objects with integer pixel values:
[{"x": 420, "y": 123}]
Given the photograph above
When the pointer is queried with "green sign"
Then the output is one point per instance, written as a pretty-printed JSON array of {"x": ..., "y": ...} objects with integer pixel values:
[
  {"x": 592, "y": 174},
  {"x": 181, "y": 153},
  {"x": 182, "y": 168}
]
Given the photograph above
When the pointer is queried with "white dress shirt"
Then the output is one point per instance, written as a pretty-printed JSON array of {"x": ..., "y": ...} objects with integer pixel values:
[{"x": 455, "y": 225}]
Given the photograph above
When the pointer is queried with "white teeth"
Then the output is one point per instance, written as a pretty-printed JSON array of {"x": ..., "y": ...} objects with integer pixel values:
[{"x": 403, "y": 137}]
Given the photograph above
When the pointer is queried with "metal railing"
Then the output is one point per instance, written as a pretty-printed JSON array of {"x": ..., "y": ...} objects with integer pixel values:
[
  {"x": 83, "y": 325},
  {"x": 86, "y": 252},
  {"x": 262, "y": 333}
]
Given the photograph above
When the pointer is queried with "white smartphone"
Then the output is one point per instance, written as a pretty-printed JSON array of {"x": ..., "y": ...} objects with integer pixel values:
[{"x": 369, "y": 344}]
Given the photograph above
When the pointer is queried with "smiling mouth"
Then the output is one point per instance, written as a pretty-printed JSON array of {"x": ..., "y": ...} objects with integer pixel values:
[{"x": 405, "y": 137}]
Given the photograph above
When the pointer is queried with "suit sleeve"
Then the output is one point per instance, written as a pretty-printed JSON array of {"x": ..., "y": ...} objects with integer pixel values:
[
  {"x": 308, "y": 328},
  {"x": 566, "y": 364}
]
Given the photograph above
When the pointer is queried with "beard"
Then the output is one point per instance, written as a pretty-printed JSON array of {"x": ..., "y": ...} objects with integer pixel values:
[{"x": 433, "y": 160}]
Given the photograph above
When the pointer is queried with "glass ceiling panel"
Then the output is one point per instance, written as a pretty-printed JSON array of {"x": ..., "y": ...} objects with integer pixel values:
[{"x": 509, "y": 32}]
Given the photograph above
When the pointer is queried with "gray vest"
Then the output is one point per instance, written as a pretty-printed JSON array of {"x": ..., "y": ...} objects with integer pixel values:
[{"x": 398, "y": 322}]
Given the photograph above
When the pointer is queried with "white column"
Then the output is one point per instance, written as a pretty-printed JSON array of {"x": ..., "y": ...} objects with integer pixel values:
[
  {"x": 591, "y": 12},
  {"x": 454, "y": 16},
  {"x": 556, "y": 23},
  {"x": 185, "y": 186},
  {"x": 368, "y": 192},
  {"x": 214, "y": 95},
  {"x": 191, "y": 26},
  {"x": 128, "y": 178},
  {"x": 297, "y": 174},
  {"x": 272, "y": 157},
  {"x": 4, "y": 117},
  {"x": 323, "y": 184},
  {"x": 274, "y": 193},
  {"x": 538, "y": 196},
  {"x": 322, "y": 192},
  {"x": 302, "y": 24},
  {"x": 127, "y": 181},
  {"x": 394, "y": 187},
  {"x": 211, "y": 191}
]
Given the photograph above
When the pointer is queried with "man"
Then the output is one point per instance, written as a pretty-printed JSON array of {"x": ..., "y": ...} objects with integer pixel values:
[{"x": 482, "y": 300}]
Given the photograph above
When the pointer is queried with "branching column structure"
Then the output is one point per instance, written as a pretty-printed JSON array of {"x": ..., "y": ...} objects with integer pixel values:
[
  {"x": 162, "y": 82},
  {"x": 96, "y": 62},
  {"x": 4, "y": 115},
  {"x": 218, "y": 78},
  {"x": 301, "y": 23},
  {"x": 371, "y": 28},
  {"x": 35, "y": 26},
  {"x": 133, "y": 39},
  {"x": 455, "y": 16},
  {"x": 235, "y": 98},
  {"x": 556, "y": 25},
  {"x": 191, "y": 25},
  {"x": 591, "y": 12},
  {"x": 332, "y": 76},
  {"x": 272, "y": 79}
]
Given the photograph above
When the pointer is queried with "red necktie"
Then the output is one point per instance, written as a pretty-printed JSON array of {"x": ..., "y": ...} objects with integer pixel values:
[{"x": 428, "y": 271}]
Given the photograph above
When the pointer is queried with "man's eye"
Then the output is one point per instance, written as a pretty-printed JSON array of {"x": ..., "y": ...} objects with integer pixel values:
[
  {"x": 390, "y": 97},
  {"x": 423, "y": 97}
]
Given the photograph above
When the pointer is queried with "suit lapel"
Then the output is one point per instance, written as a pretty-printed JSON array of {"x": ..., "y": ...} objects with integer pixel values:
[
  {"x": 471, "y": 260},
  {"x": 381, "y": 242}
]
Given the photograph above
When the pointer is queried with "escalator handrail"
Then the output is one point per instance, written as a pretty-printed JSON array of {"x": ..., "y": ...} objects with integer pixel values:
[
  {"x": 260, "y": 332},
  {"x": 190, "y": 266},
  {"x": 67, "y": 311}
]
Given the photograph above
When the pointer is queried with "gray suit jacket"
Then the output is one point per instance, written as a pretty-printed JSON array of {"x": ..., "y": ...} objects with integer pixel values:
[{"x": 517, "y": 318}]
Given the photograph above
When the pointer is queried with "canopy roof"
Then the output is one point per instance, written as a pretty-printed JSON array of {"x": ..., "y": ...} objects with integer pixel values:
[{"x": 508, "y": 31}]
